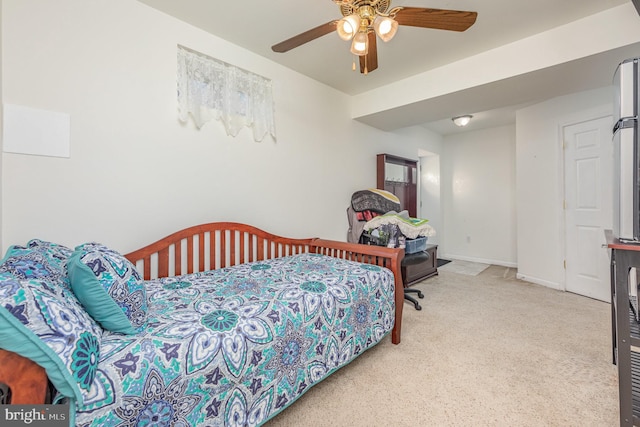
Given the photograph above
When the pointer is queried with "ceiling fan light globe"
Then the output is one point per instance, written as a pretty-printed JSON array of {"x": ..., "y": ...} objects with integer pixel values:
[
  {"x": 385, "y": 27},
  {"x": 360, "y": 44},
  {"x": 348, "y": 26}
]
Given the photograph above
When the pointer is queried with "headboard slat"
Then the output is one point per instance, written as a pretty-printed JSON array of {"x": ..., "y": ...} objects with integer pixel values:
[
  {"x": 260, "y": 248},
  {"x": 223, "y": 249},
  {"x": 163, "y": 262},
  {"x": 147, "y": 266},
  {"x": 233, "y": 235},
  {"x": 178, "y": 257},
  {"x": 243, "y": 242},
  {"x": 201, "y": 252},
  {"x": 212, "y": 250},
  {"x": 190, "y": 254}
]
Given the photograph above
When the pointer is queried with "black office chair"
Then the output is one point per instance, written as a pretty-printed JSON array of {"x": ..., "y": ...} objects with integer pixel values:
[{"x": 408, "y": 260}]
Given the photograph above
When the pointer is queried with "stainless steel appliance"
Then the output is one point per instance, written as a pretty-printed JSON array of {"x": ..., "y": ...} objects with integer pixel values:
[{"x": 626, "y": 219}]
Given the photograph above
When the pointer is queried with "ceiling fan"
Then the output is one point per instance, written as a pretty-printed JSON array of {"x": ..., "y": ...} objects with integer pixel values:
[{"x": 363, "y": 19}]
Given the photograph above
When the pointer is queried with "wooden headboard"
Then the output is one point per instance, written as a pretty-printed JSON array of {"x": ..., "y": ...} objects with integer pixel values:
[{"x": 212, "y": 246}]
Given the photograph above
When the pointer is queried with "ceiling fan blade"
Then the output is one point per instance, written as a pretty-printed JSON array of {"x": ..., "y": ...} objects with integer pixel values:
[
  {"x": 305, "y": 37},
  {"x": 440, "y": 19},
  {"x": 369, "y": 62}
]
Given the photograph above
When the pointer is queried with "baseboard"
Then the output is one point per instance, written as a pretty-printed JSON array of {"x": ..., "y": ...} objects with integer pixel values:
[
  {"x": 548, "y": 284},
  {"x": 480, "y": 260}
]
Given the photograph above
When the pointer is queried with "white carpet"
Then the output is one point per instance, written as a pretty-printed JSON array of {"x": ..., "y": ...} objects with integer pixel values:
[{"x": 464, "y": 267}]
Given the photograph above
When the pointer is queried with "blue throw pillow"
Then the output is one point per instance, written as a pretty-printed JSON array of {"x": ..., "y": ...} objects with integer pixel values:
[
  {"x": 109, "y": 287},
  {"x": 38, "y": 259},
  {"x": 44, "y": 322}
]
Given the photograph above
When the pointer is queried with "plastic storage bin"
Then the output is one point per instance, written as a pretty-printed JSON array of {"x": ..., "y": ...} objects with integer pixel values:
[{"x": 415, "y": 245}]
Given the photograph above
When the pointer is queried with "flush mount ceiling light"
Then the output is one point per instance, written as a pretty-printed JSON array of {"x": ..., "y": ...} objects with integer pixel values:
[
  {"x": 462, "y": 120},
  {"x": 363, "y": 20}
]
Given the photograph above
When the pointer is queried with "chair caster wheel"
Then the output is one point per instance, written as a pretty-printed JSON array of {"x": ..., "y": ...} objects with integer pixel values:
[{"x": 420, "y": 295}]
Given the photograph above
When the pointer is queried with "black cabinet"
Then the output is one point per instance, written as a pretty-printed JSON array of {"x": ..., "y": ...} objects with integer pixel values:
[
  {"x": 416, "y": 267},
  {"x": 625, "y": 261}
]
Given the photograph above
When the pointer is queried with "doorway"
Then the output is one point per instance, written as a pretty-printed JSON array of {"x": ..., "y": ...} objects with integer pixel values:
[{"x": 588, "y": 206}]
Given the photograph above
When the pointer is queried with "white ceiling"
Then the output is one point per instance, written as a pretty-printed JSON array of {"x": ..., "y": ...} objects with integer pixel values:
[{"x": 256, "y": 25}]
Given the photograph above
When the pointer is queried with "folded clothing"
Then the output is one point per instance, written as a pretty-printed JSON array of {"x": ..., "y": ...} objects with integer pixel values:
[{"x": 411, "y": 228}]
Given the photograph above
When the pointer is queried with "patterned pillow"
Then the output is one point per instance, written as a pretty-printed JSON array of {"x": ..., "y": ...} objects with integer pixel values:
[
  {"x": 38, "y": 260},
  {"x": 47, "y": 324},
  {"x": 109, "y": 287}
]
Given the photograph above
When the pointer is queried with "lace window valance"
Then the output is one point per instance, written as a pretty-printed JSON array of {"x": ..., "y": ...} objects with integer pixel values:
[{"x": 212, "y": 89}]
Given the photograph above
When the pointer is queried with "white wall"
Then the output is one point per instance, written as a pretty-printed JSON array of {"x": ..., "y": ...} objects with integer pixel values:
[
  {"x": 478, "y": 184},
  {"x": 540, "y": 183},
  {"x": 430, "y": 195},
  {"x": 135, "y": 173},
  {"x": 1, "y": 126}
]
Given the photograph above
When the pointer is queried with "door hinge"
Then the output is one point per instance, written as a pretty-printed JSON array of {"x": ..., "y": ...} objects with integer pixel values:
[{"x": 565, "y": 264}]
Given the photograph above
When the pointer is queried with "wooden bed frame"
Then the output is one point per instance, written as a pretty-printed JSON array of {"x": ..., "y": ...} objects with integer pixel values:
[{"x": 208, "y": 247}]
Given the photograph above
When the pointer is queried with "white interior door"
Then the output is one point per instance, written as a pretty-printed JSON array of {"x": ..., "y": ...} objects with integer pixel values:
[{"x": 588, "y": 161}]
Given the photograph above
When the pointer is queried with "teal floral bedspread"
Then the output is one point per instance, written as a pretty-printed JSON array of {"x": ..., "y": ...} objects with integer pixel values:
[{"x": 236, "y": 346}]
